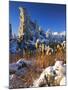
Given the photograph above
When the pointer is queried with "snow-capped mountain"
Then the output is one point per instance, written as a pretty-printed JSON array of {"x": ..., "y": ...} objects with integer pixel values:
[
  {"x": 55, "y": 36},
  {"x": 59, "y": 33}
]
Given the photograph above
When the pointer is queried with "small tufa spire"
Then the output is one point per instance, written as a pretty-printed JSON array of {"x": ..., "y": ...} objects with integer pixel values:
[{"x": 10, "y": 32}]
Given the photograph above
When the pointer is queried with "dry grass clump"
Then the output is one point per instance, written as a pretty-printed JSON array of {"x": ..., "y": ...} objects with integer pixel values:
[{"x": 42, "y": 60}]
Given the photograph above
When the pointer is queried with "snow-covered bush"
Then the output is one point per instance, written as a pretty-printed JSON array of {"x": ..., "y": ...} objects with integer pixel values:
[
  {"x": 63, "y": 81},
  {"x": 52, "y": 75},
  {"x": 20, "y": 67},
  {"x": 46, "y": 77},
  {"x": 60, "y": 70}
]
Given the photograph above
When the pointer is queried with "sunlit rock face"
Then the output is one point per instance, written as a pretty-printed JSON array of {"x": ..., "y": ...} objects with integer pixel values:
[{"x": 22, "y": 22}]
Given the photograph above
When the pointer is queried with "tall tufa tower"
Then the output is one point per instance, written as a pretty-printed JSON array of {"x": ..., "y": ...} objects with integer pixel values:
[{"x": 22, "y": 22}]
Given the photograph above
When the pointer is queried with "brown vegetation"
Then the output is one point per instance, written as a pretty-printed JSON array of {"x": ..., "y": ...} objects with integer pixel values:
[{"x": 41, "y": 60}]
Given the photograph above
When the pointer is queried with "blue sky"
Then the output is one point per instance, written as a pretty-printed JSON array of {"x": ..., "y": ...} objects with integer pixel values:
[{"x": 48, "y": 16}]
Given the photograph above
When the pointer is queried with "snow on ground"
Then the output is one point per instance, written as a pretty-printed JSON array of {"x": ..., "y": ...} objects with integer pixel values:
[
  {"x": 24, "y": 70},
  {"x": 52, "y": 75},
  {"x": 20, "y": 67}
]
